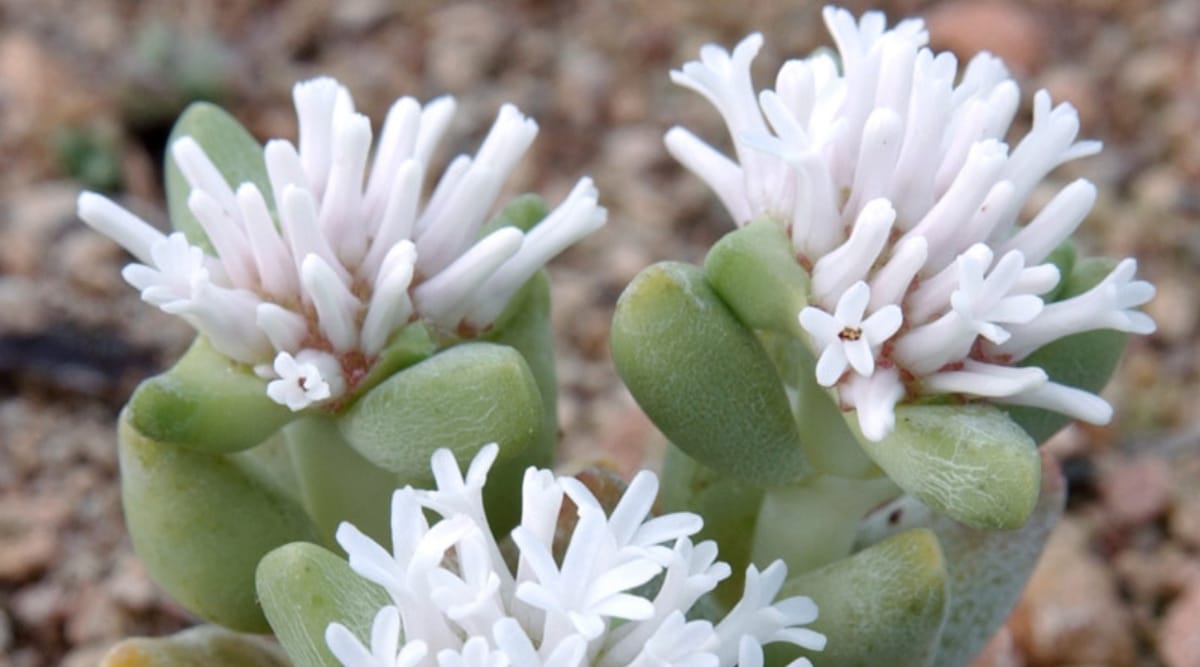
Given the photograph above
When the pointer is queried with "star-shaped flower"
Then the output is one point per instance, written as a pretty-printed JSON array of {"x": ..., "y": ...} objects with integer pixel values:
[
  {"x": 301, "y": 380},
  {"x": 845, "y": 338}
]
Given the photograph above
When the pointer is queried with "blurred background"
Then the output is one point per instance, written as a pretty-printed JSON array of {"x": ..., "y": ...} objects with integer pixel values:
[{"x": 88, "y": 93}]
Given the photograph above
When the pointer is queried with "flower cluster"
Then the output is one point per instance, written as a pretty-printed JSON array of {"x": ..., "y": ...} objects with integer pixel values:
[
  {"x": 616, "y": 596},
  {"x": 903, "y": 202},
  {"x": 310, "y": 279}
]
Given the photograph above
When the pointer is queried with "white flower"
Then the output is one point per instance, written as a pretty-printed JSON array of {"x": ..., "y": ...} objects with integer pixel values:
[
  {"x": 897, "y": 190},
  {"x": 339, "y": 254},
  {"x": 303, "y": 379},
  {"x": 616, "y": 596},
  {"x": 845, "y": 338},
  {"x": 385, "y": 648}
]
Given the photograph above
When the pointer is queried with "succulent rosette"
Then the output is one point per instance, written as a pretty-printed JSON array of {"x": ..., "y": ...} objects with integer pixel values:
[
  {"x": 891, "y": 321},
  {"x": 348, "y": 323}
]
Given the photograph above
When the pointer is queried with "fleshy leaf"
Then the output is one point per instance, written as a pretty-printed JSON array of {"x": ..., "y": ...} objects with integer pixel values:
[
  {"x": 201, "y": 522},
  {"x": 523, "y": 212},
  {"x": 703, "y": 378},
  {"x": 969, "y": 461},
  {"x": 202, "y": 646},
  {"x": 236, "y": 154},
  {"x": 986, "y": 569},
  {"x": 461, "y": 398},
  {"x": 755, "y": 273},
  {"x": 1063, "y": 257},
  {"x": 729, "y": 507},
  {"x": 1085, "y": 360},
  {"x": 208, "y": 403},
  {"x": 884, "y": 605},
  {"x": 303, "y": 589},
  {"x": 525, "y": 327}
]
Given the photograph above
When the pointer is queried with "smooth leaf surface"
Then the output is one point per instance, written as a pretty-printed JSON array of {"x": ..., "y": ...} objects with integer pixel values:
[
  {"x": 202, "y": 646},
  {"x": 986, "y": 569},
  {"x": 755, "y": 273},
  {"x": 236, "y": 154},
  {"x": 703, "y": 378},
  {"x": 969, "y": 461},
  {"x": 1085, "y": 360},
  {"x": 303, "y": 589},
  {"x": 884, "y": 605},
  {"x": 207, "y": 403},
  {"x": 461, "y": 398},
  {"x": 201, "y": 522}
]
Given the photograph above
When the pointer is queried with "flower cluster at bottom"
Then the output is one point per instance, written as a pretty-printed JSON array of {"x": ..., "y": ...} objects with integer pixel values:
[{"x": 618, "y": 596}]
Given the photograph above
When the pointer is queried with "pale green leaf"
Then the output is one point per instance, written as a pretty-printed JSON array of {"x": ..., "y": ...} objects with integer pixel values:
[
  {"x": 304, "y": 588},
  {"x": 461, "y": 398},
  {"x": 884, "y": 605},
  {"x": 208, "y": 403},
  {"x": 703, "y": 378},
  {"x": 201, "y": 646},
  {"x": 201, "y": 522},
  {"x": 969, "y": 461}
]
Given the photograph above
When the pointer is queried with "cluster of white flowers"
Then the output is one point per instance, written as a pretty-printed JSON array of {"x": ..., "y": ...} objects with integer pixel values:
[
  {"x": 311, "y": 279},
  {"x": 902, "y": 200},
  {"x": 616, "y": 596}
]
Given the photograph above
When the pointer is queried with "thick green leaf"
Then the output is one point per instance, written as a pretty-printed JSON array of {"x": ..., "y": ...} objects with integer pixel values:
[
  {"x": 303, "y": 589},
  {"x": 336, "y": 483},
  {"x": 884, "y": 605},
  {"x": 755, "y": 272},
  {"x": 1085, "y": 360},
  {"x": 969, "y": 461},
  {"x": 202, "y": 646},
  {"x": 704, "y": 378},
  {"x": 523, "y": 212},
  {"x": 208, "y": 403},
  {"x": 728, "y": 506},
  {"x": 201, "y": 522},
  {"x": 235, "y": 153},
  {"x": 461, "y": 398},
  {"x": 525, "y": 327},
  {"x": 1063, "y": 257},
  {"x": 986, "y": 569}
]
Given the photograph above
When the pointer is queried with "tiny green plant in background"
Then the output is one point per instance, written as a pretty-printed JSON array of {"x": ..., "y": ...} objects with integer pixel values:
[{"x": 854, "y": 383}]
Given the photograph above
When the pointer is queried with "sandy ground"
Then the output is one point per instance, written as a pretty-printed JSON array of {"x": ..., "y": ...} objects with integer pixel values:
[{"x": 88, "y": 95}]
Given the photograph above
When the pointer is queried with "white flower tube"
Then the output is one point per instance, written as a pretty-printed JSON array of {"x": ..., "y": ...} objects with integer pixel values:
[
  {"x": 897, "y": 189},
  {"x": 602, "y": 603},
  {"x": 329, "y": 276}
]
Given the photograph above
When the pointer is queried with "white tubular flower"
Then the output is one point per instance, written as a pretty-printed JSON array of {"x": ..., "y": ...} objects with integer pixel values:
[
  {"x": 846, "y": 338},
  {"x": 309, "y": 377},
  {"x": 385, "y": 648},
  {"x": 900, "y": 195},
  {"x": 355, "y": 255},
  {"x": 603, "y": 603}
]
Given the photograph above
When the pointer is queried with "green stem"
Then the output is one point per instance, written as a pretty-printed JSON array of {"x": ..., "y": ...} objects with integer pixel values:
[
  {"x": 814, "y": 523},
  {"x": 336, "y": 483},
  {"x": 828, "y": 443}
]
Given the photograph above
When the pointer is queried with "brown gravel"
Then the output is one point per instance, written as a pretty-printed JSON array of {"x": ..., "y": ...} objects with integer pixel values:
[{"x": 1118, "y": 586}]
